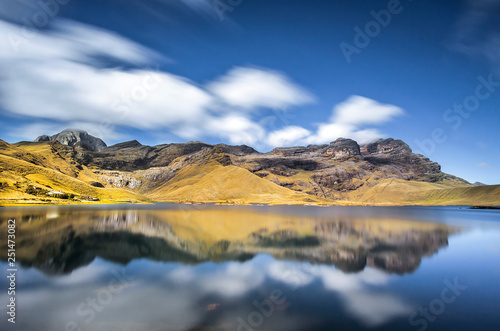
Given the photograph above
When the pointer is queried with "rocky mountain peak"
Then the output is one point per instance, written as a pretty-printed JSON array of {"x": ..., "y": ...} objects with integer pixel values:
[
  {"x": 388, "y": 146},
  {"x": 343, "y": 148},
  {"x": 72, "y": 137}
]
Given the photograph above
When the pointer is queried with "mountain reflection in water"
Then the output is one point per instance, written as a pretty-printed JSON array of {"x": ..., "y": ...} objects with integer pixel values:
[
  {"x": 185, "y": 268},
  {"x": 62, "y": 240}
]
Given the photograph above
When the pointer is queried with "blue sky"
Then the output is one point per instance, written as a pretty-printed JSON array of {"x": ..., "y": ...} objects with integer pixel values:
[{"x": 263, "y": 73}]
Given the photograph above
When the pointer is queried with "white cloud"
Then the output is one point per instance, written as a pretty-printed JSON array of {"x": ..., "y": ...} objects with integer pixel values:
[
  {"x": 70, "y": 41},
  {"x": 287, "y": 136},
  {"x": 66, "y": 85},
  {"x": 358, "y": 110},
  {"x": 55, "y": 78},
  {"x": 252, "y": 88},
  {"x": 349, "y": 120},
  {"x": 237, "y": 129},
  {"x": 328, "y": 132},
  {"x": 56, "y": 72}
]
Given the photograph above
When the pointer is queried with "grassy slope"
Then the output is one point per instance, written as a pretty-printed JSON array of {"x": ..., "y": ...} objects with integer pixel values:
[
  {"x": 393, "y": 191},
  {"x": 37, "y": 165},
  {"x": 215, "y": 183},
  {"x": 477, "y": 195},
  {"x": 397, "y": 191}
]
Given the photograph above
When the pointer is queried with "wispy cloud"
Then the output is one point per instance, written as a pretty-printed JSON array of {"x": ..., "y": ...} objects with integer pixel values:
[
  {"x": 251, "y": 88},
  {"x": 477, "y": 31},
  {"x": 203, "y": 6},
  {"x": 354, "y": 118},
  {"x": 288, "y": 136},
  {"x": 483, "y": 165},
  {"x": 65, "y": 83},
  {"x": 175, "y": 12},
  {"x": 57, "y": 79}
]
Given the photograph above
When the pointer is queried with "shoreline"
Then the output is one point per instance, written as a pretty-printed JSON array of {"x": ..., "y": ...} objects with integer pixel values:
[{"x": 342, "y": 204}]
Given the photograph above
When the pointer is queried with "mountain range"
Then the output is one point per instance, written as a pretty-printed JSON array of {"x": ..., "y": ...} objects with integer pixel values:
[{"x": 75, "y": 167}]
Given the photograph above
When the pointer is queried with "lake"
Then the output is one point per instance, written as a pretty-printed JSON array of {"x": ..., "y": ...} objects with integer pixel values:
[{"x": 202, "y": 267}]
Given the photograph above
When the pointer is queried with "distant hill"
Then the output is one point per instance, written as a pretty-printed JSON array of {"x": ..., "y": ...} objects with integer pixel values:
[{"x": 74, "y": 167}]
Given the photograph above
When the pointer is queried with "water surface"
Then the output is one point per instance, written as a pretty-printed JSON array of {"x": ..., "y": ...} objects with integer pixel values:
[{"x": 171, "y": 267}]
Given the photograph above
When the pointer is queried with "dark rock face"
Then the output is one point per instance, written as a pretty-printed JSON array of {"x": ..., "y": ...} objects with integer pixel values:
[
  {"x": 167, "y": 153},
  {"x": 132, "y": 155},
  {"x": 42, "y": 138},
  {"x": 127, "y": 144},
  {"x": 407, "y": 166},
  {"x": 283, "y": 166},
  {"x": 237, "y": 150},
  {"x": 73, "y": 137},
  {"x": 289, "y": 151},
  {"x": 343, "y": 148},
  {"x": 338, "y": 178},
  {"x": 387, "y": 146},
  {"x": 300, "y": 151}
]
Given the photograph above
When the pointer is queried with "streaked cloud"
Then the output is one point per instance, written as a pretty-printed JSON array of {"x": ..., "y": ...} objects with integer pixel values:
[
  {"x": 287, "y": 136},
  {"x": 252, "y": 88},
  {"x": 483, "y": 165},
  {"x": 62, "y": 71},
  {"x": 66, "y": 85},
  {"x": 353, "y": 118},
  {"x": 474, "y": 35},
  {"x": 359, "y": 111},
  {"x": 237, "y": 129}
]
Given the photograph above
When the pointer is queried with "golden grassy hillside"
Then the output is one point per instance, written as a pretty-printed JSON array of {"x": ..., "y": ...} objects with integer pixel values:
[
  {"x": 206, "y": 180},
  {"x": 213, "y": 182},
  {"x": 477, "y": 195},
  {"x": 397, "y": 191},
  {"x": 21, "y": 169}
]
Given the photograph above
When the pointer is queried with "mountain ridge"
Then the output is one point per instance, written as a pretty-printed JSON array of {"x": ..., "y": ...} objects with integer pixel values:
[{"x": 385, "y": 172}]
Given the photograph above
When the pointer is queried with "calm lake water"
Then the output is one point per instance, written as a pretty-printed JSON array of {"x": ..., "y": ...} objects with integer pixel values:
[{"x": 171, "y": 267}]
